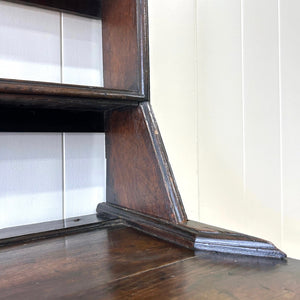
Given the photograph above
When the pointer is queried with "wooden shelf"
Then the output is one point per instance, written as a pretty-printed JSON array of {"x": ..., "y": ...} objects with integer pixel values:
[
  {"x": 125, "y": 61},
  {"x": 86, "y": 8},
  {"x": 141, "y": 188},
  {"x": 122, "y": 263}
]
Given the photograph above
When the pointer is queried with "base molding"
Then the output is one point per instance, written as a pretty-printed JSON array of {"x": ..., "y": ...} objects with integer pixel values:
[
  {"x": 194, "y": 235},
  {"x": 29, "y": 233}
]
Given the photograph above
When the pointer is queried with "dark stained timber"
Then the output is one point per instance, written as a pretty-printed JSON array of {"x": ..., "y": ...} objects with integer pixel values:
[
  {"x": 194, "y": 235},
  {"x": 211, "y": 277},
  {"x": 139, "y": 176},
  {"x": 74, "y": 264},
  {"x": 29, "y": 233},
  {"x": 125, "y": 59},
  {"x": 120, "y": 46},
  {"x": 141, "y": 188},
  {"x": 122, "y": 263},
  {"x": 87, "y": 8}
]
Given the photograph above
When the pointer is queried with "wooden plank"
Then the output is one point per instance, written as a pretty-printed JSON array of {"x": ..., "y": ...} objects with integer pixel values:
[
  {"x": 120, "y": 49},
  {"x": 195, "y": 235},
  {"x": 28, "y": 89},
  {"x": 88, "y": 8},
  {"x": 27, "y": 233},
  {"x": 54, "y": 268},
  {"x": 215, "y": 277},
  {"x": 139, "y": 176}
]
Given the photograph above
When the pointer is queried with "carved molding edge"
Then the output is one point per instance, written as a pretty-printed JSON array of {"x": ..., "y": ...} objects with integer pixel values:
[{"x": 194, "y": 235}]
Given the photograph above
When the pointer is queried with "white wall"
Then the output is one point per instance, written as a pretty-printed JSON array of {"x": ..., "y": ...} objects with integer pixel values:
[
  {"x": 49, "y": 176},
  {"x": 225, "y": 88},
  {"x": 173, "y": 71}
]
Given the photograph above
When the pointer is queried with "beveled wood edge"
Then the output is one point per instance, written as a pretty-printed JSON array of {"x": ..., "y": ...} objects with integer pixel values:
[
  {"x": 36, "y": 90},
  {"x": 143, "y": 45},
  {"x": 52, "y": 229},
  {"x": 66, "y": 103},
  {"x": 163, "y": 161},
  {"x": 138, "y": 129},
  {"x": 27, "y": 87},
  {"x": 209, "y": 239}
]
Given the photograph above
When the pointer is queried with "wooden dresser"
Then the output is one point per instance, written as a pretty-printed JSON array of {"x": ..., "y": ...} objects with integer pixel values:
[{"x": 141, "y": 243}]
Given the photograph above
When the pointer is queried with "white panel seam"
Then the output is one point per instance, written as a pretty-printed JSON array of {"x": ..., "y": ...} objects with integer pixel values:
[
  {"x": 63, "y": 134},
  {"x": 197, "y": 108},
  {"x": 280, "y": 122},
  {"x": 243, "y": 101},
  {"x": 61, "y": 47},
  {"x": 63, "y": 175},
  {"x": 101, "y": 58}
]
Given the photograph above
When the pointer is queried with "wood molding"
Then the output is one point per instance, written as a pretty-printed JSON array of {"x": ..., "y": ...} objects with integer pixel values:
[
  {"x": 142, "y": 190},
  {"x": 29, "y": 233},
  {"x": 194, "y": 235},
  {"x": 125, "y": 60},
  {"x": 139, "y": 176}
]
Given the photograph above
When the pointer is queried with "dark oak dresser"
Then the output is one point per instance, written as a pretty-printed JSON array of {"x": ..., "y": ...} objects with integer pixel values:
[{"x": 140, "y": 244}]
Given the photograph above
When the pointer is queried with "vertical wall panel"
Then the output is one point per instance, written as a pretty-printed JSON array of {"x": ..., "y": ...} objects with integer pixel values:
[
  {"x": 262, "y": 118},
  {"x": 173, "y": 90},
  {"x": 30, "y": 178},
  {"x": 82, "y": 51},
  {"x": 30, "y": 43},
  {"x": 290, "y": 66},
  {"x": 220, "y": 123},
  {"x": 84, "y": 173},
  {"x": 172, "y": 29}
]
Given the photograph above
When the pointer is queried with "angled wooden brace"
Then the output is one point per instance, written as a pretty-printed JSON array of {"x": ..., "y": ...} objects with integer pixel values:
[{"x": 141, "y": 189}]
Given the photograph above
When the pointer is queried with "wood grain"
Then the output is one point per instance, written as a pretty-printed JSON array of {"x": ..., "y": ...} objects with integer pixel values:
[
  {"x": 126, "y": 63},
  {"x": 195, "y": 235},
  {"x": 139, "y": 176},
  {"x": 207, "y": 277},
  {"x": 125, "y": 264},
  {"x": 120, "y": 46},
  {"x": 57, "y": 267},
  {"x": 45, "y": 230}
]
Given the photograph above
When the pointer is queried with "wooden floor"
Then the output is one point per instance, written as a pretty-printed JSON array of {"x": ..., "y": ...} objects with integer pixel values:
[{"x": 121, "y": 263}]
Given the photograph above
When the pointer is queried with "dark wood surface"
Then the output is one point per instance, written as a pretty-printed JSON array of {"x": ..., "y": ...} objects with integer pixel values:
[
  {"x": 208, "y": 278},
  {"x": 139, "y": 176},
  {"x": 125, "y": 45},
  {"x": 70, "y": 265},
  {"x": 121, "y": 263},
  {"x": 125, "y": 59},
  {"x": 195, "y": 235},
  {"x": 87, "y": 8},
  {"x": 120, "y": 46},
  {"x": 20, "y": 93},
  {"x": 39, "y": 231}
]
